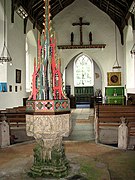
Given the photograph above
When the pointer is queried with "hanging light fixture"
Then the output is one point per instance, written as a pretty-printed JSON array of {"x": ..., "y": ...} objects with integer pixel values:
[
  {"x": 21, "y": 12},
  {"x": 5, "y": 55},
  {"x": 116, "y": 63}
]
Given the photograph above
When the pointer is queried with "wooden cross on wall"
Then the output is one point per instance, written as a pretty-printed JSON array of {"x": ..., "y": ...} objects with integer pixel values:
[{"x": 81, "y": 24}]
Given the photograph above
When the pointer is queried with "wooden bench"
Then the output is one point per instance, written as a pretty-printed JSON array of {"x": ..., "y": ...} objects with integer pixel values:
[
  {"x": 15, "y": 117},
  {"x": 109, "y": 117}
]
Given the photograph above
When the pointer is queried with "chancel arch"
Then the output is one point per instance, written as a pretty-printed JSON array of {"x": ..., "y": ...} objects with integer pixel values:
[{"x": 82, "y": 72}]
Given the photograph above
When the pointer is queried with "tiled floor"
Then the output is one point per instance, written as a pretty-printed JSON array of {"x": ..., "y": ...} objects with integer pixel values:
[{"x": 83, "y": 128}]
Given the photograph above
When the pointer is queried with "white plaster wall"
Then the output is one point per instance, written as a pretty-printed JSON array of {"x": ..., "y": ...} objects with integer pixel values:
[
  {"x": 102, "y": 28},
  {"x": 16, "y": 46}
]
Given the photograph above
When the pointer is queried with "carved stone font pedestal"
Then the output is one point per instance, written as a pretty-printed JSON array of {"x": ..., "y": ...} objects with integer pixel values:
[{"x": 49, "y": 154}]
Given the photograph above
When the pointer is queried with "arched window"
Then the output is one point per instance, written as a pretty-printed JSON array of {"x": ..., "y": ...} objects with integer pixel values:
[{"x": 83, "y": 71}]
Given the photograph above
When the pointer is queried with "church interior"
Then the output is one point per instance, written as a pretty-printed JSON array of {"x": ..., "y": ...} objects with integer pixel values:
[
  {"x": 71, "y": 61},
  {"x": 102, "y": 35}
]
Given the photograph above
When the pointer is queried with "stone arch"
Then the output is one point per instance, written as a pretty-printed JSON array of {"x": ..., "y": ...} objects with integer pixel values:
[{"x": 68, "y": 76}]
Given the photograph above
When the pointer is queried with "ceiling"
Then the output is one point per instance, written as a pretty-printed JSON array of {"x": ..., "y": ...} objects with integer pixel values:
[{"x": 117, "y": 10}]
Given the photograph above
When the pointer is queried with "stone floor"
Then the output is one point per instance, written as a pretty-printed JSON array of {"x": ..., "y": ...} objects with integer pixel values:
[
  {"x": 88, "y": 160},
  {"x": 83, "y": 129}
]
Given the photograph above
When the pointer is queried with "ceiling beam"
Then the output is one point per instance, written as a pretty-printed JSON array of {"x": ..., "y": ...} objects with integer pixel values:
[
  {"x": 117, "y": 10},
  {"x": 60, "y": 4}
]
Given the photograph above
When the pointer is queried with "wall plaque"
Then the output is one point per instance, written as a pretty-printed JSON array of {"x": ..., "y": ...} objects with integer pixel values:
[
  {"x": 18, "y": 76},
  {"x": 114, "y": 78}
]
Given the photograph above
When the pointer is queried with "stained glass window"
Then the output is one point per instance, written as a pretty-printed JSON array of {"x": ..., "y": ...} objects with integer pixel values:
[{"x": 83, "y": 71}]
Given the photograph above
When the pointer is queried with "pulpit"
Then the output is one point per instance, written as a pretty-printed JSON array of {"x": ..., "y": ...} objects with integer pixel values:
[{"x": 115, "y": 95}]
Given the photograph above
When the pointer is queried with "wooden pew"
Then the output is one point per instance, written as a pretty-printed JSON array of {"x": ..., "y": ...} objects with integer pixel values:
[
  {"x": 16, "y": 119},
  {"x": 16, "y": 116},
  {"x": 108, "y": 117}
]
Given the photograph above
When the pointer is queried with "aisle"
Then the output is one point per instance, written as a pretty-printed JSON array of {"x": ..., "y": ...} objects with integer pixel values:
[{"x": 83, "y": 127}]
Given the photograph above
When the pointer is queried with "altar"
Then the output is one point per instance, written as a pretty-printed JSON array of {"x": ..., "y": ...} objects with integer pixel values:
[{"x": 114, "y": 95}]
